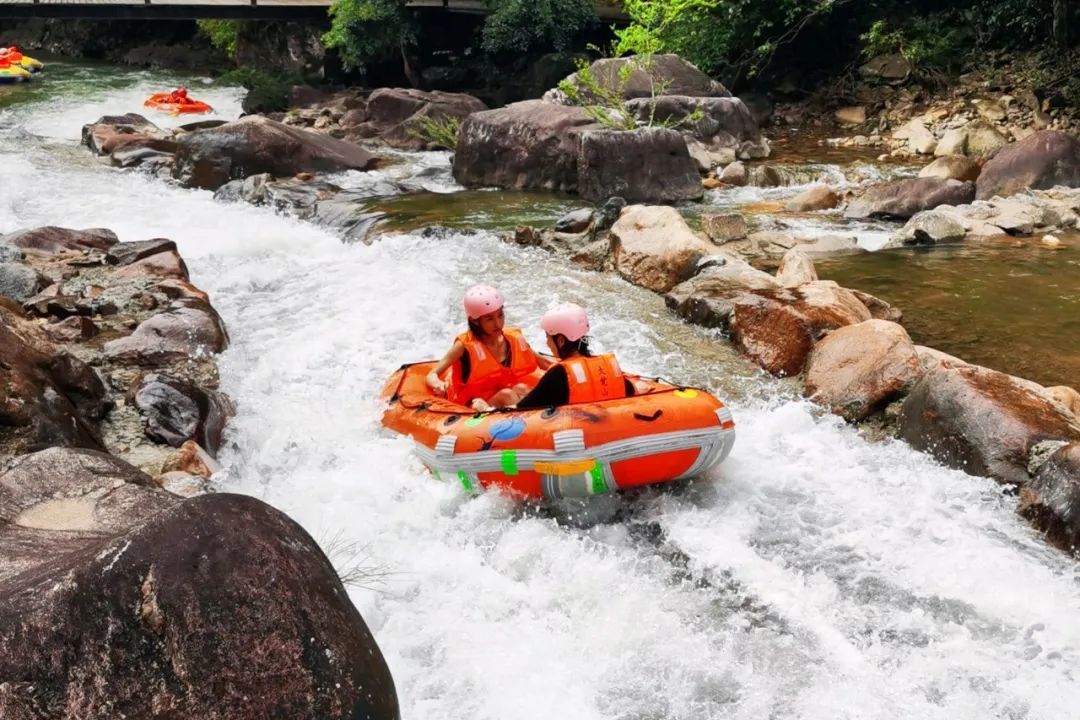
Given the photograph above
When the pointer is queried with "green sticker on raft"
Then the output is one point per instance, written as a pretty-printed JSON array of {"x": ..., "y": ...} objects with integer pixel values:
[
  {"x": 599, "y": 485},
  {"x": 475, "y": 420},
  {"x": 465, "y": 481},
  {"x": 509, "y": 462}
]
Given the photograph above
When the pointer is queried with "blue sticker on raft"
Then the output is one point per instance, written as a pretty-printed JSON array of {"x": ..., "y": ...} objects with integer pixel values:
[{"x": 508, "y": 429}]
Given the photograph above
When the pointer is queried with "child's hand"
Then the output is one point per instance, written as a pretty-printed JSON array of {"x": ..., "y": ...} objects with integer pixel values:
[
  {"x": 436, "y": 384},
  {"x": 480, "y": 405}
]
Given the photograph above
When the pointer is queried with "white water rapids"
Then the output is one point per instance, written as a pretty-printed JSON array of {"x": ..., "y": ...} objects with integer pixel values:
[{"x": 814, "y": 576}]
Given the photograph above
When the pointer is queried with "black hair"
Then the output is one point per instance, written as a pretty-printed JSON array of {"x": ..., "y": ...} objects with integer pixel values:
[{"x": 581, "y": 346}]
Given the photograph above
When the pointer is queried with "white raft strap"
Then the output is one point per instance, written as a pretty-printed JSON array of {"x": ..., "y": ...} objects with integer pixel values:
[
  {"x": 569, "y": 441},
  {"x": 446, "y": 445}
]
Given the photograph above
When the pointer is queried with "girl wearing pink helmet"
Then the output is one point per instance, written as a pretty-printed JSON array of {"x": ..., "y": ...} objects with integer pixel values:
[
  {"x": 579, "y": 376},
  {"x": 490, "y": 365}
]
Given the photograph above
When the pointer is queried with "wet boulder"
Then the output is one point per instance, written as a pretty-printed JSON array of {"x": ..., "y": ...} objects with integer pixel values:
[
  {"x": 778, "y": 328},
  {"x": 123, "y": 601},
  {"x": 858, "y": 369},
  {"x": 52, "y": 239},
  {"x": 530, "y": 144},
  {"x": 796, "y": 268},
  {"x": 982, "y": 421},
  {"x": 930, "y": 227},
  {"x": 1051, "y": 500},
  {"x": 109, "y": 132},
  {"x": 188, "y": 328},
  {"x": 395, "y": 115},
  {"x": 175, "y": 411},
  {"x": 671, "y": 73},
  {"x": 210, "y": 158},
  {"x": 652, "y": 246},
  {"x": 1039, "y": 162},
  {"x": 818, "y": 197},
  {"x": 47, "y": 396},
  {"x": 646, "y": 165},
  {"x": 901, "y": 199}
]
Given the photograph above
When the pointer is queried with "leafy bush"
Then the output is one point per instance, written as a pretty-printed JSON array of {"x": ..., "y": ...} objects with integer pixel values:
[
  {"x": 926, "y": 42},
  {"x": 439, "y": 131},
  {"x": 266, "y": 92},
  {"x": 523, "y": 25},
  {"x": 365, "y": 31},
  {"x": 222, "y": 34}
]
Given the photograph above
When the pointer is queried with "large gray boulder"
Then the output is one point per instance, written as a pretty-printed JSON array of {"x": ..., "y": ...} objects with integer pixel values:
[
  {"x": 982, "y": 421},
  {"x": 121, "y": 601},
  {"x": 210, "y": 158},
  {"x": 662, "y": 75},
  {"x": 723, "y": 121},
  {"x": 1038, "y": 162},
  {"x": 646, "y": 165},
  {"x": 530, "y": 144}
]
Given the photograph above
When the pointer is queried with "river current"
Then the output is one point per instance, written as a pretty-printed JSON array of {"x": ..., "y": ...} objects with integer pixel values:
[{"x": 814, "y": 575}]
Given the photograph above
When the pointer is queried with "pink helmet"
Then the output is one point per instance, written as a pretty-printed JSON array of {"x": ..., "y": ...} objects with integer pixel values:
[
  {"x": 482, "y": 300},
  {"x": 567, "y": 319}
]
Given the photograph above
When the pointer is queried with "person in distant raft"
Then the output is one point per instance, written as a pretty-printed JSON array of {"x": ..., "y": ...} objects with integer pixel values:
[
  {"x": 579, "y": 376},
  {"x": 179, "y": 96},
  {"x": 489, "y": 364}
]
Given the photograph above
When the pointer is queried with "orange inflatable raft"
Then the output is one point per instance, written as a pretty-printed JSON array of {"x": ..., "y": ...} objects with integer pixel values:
[
  {"x": 167, "y": 102},
  {"x": 573, "y": 450}
]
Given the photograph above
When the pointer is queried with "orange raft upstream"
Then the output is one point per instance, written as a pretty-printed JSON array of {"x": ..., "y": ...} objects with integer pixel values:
[
  {"x": 574, "y": 450},
  {"x": 167, "y": 103}
]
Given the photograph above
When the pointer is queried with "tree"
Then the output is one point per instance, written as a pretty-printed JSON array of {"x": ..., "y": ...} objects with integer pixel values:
[
  {"x": 523, "y": 25},
  {"x": 366, "y": 31}
]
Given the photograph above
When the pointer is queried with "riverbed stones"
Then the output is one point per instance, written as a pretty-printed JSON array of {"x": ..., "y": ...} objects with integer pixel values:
[
  {"x": 919, "y": 139},
  {"x": 796, "y": 268},
  {"x": 901, "y": 199},
  {"x": 1051, "y": 500},
  {"x": 735, "y": 174},
  {"x": 892, "y": 69},
  {"x": 858, "y": 369},
  {"x": 254, "y": 144},
  {"x": 706, "y": 298},
  {"x": 644, "y": 165},
  {"x": 983, "y": 139},
  {"x": 176, "y": 411},
  {"x": 395, "y": 115},
  {"x": 652, "y": 246},
  {"x": 982, "y": 421},
  {"x": 575, "y": 221},
  {"x": 956, "y": 167},
  {"x": 1039, "y": 161},
  {"x": 122, "y": 601},
  {"x": 930, "y": 227}
]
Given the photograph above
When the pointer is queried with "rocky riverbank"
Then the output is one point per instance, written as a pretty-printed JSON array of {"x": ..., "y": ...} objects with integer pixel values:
[{"x": 129, "y": 589}]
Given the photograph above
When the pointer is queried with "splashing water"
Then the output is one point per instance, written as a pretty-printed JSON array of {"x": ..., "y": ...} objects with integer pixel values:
[{"x": 814, "y": 575}]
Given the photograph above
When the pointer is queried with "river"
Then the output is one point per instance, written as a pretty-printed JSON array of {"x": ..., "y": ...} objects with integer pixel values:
[{"x": 815, "y": 575}]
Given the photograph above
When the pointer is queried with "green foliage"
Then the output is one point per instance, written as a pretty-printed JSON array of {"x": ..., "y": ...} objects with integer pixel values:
[
  {"x": 366, "y": 31},
  {"x": 523, "y": 25},
  {"x": 222, "y": 34},
  {"x": 266, "y": 92},
  {"x": 439, "y": 131},
  {"x": 925, "y": 43}
]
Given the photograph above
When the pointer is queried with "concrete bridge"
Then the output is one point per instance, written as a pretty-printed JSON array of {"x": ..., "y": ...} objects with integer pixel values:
[{"x": 233, "y": 9}]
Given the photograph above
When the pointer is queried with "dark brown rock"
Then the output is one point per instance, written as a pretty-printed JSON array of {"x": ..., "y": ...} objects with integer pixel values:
[
  {"x": 957, "y": 167},
  {"x": 982, "y": 421},
  {"x": 901, "y": 199},
  {"x": 47, "y": 397},
  {"x": 530, "y": 144},
  {"x": 167, "y": 264},
  {"x": 395, "y": 114},
  {"x": 1040, "y": 161},
  {"x": 102, "y": 135},
  {"x": 53, "y": 239},
  {"x": 126, "y": 253},
  {"x": 647, "y": 165},
  {"x": 1052, "y": 499},
  {"x": 210, "y": 158},
  {"x": 122, "y": 601},
  {"x": 71, "y": 329},
  {"x": 187, "y": 329}
]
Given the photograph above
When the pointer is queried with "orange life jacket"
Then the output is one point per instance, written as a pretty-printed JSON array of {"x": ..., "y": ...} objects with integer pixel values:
[
  {"x": 486, "y": 374},
  {"x": 594, "y": 378}
]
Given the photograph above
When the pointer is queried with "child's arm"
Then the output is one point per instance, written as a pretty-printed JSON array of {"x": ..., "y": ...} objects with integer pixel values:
[{"x": 436, "y": 383}]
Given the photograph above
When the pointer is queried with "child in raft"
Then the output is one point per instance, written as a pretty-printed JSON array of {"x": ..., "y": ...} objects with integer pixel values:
[
  {"x": 489, "y": 364},
  {"x": 579, "y": 376}
]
